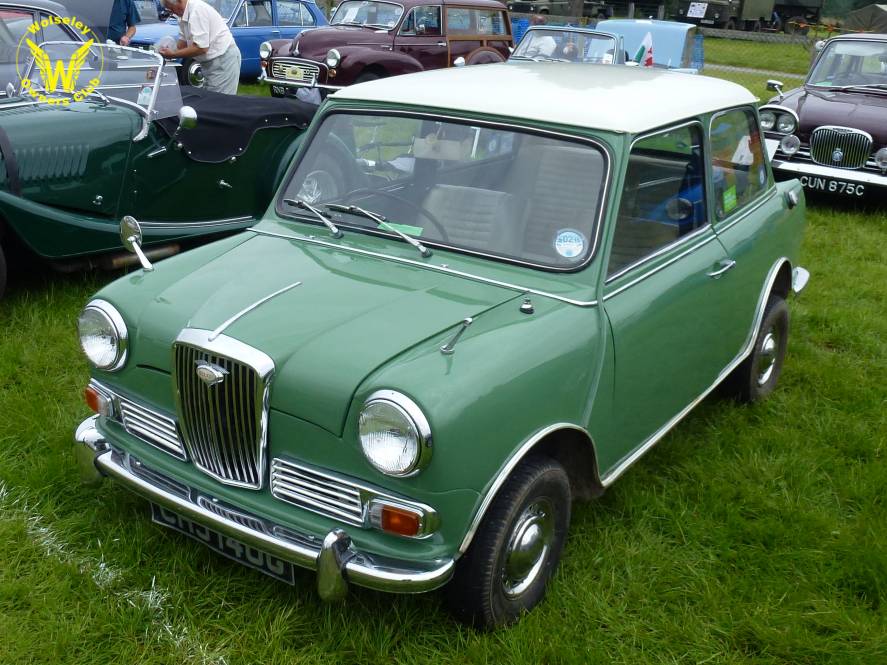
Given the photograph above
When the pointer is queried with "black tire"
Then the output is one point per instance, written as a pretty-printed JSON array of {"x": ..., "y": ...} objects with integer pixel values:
[
  {"x": 184, "y": 78},
  {"x": 2, "y": 272},
  {"x": 367, "y": 76},
  {"x": 757, "y": 375},
  {"x": 730, "y": 25},
  {"x": 544, "y": 11},
  {"x": 793, "y": 26},
  {"x": 484, "y": 592}
]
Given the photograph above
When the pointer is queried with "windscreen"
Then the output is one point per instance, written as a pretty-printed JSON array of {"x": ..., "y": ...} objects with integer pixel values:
[
  {"x": 565, "y": 45},
  {"x": 851, "y": 63},
  {"x": 371, "y": 14},
  {"x": 501, "y": 192}
]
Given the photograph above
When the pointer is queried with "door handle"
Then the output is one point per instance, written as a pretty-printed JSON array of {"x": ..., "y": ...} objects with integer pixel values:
[
  {"x": 726, "y": 264},
  {"x": 275, "y": 33},
  {"x": 441, "y": 43}
]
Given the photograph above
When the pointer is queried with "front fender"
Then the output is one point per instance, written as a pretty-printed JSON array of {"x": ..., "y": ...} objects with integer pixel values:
[{"x": 357, "y": 59}]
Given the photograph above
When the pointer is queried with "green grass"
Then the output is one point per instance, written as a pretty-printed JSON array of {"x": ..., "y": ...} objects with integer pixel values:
[
  {"x": 792, "y": 58},
  {"x": 749, "y": 535}
]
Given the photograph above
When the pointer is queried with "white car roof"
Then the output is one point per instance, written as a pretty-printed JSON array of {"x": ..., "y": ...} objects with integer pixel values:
[{"x": 609, "y": 97}]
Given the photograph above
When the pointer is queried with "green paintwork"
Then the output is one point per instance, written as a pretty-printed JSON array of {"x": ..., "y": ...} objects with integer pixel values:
[
  {"x": 67, "y": 156},
  {"x": 620, "y": 369}
]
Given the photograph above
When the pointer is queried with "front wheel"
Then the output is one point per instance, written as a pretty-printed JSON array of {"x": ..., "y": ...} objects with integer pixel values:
[
  {"x": 756, "y": 376},
  {"x": 506, "y": 570},
  {"x": 191, "y": 73}
]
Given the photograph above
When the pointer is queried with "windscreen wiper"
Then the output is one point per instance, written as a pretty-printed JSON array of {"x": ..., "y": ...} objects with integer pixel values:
[
  {"x": 299, "y": 203},
  {"x": 382, "y": 223}
]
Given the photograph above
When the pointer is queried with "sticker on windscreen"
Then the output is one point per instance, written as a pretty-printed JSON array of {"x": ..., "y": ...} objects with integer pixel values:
[{"x": 569, "y": 243}]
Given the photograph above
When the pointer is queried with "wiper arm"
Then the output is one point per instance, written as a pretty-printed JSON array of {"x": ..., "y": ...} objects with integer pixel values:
[
  {"x": 299, "y": 203},
  {"x": 382, "y": 223}
]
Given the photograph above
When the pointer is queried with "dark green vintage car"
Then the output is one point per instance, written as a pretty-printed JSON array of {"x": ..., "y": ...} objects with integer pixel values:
[
  {"x": 495, "y": 300},
  {"x": 72, "y": 163}
]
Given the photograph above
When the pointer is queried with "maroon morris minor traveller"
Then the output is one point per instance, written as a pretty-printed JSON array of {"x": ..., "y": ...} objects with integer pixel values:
[
  {"x": 371, "y": 39},
  {"x": 831, "y": 133}
]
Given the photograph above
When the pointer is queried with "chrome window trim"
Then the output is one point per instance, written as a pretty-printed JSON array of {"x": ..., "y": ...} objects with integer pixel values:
[
  {"x": 757, "y": 119},
  {"x": 677, "y": 241},
  {"x": 236, "y": 350},
  {"x": 414, "y": 414},
  {"x": 602, "y": 199},
  {"x": 730, "y": 222},
  {"x": 119, "y": 324},
  {"x": 184, "y": 225},
  {"x": 428, "y": 266}
]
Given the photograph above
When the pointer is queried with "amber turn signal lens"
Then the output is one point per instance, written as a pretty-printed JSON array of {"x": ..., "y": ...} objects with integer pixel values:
[
  {"x": 400, "y": 521},
  {"x": 93, "y": 401}
]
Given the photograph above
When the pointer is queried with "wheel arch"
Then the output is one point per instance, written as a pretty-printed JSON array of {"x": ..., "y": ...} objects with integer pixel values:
[{"x": 568, "y": 444}]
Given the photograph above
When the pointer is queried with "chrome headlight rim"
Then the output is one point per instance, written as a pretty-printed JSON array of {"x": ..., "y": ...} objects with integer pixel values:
[
  {"x": 777, "y": 112},
  {"x": 768, "y": 120},
  {"x": 790, "y": 127},
  {"x": 116, "y": 322},
  {"x": 414, "y": 416},
  {"x": 265, "y": 50},
  {"x": 333, "y": 58},
  {"x": 790, "y": 144}
]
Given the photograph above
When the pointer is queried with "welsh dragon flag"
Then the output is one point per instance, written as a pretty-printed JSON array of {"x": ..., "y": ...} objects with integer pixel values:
[{"x": 644, "y": 55}]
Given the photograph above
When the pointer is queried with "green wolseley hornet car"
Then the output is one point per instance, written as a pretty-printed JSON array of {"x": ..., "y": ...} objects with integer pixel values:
[{"x": 479, "y": 295}]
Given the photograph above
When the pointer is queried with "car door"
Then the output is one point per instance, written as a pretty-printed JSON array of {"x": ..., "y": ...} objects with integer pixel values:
[
  {"x": 253, "y": 24},
  {"x": 292, "y": 18},
  {"x": 662, "y": 290},
  {"x": 421, "y": 37}
]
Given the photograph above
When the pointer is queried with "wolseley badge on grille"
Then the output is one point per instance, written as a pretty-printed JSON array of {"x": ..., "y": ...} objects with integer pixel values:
[{"x": 210, "y": 374}]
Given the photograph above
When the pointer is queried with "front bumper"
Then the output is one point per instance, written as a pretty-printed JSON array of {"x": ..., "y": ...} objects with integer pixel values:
[
  {"x": 293, "y": 85},
  {"x": 855, "y": 183},
  {"x": 336, "y": 561}
]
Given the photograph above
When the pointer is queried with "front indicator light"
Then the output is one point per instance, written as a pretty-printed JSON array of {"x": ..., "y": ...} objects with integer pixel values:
[
  {"x": 97, "y": 402},
  {"x": 790, "y": 144},
  {"x": 399, "y": 520}
]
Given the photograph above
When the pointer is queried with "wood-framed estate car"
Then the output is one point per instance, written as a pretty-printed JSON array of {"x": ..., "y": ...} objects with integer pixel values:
[
  {"x": 251, "y": 22},
  {"x": 832, "y": 131},
  {"x": 73, "y": 163},
  {"x": 483, "y": 295},
  {"x": 370, "y": 39}
]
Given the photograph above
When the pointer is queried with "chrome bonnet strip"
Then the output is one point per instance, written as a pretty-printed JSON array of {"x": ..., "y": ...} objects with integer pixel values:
[
  {"x": 246, "y": 310},
  {"x": 428, "y": 266}
]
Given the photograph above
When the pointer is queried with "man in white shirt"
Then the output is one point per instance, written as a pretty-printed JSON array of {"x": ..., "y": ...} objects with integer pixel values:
[{"x": 206, "y": 39}]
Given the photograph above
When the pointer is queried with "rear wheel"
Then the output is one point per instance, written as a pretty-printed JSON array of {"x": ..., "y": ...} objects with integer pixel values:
[
  {"x": 757, "y": 375},
  {"x": 506, "y": 570},
  {"x": 367, "y": 76}
]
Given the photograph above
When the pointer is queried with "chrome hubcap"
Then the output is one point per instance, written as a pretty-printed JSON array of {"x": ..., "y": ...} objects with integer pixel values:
[
  {"x": 195, "y": 75},
  {"x": 528, "y": 547},
  {"x": 767, "y": 356}
]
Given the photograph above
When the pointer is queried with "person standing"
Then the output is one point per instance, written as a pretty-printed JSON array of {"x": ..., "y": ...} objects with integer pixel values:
[
  {"x": 123, "y": 21},
  {"x": 206, "y": 39}
]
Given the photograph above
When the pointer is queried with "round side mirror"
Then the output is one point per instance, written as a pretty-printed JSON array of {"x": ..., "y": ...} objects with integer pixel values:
[
  {"x": 459, "y": 62},
  {"x": 187, "y": 117},
  {"x": 130, "y": 233}
]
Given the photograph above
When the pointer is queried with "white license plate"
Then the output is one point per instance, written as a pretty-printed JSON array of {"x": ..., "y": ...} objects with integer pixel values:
[
  {"x": 831, "y": 186},
  {"x": 227, "y": 547},
  {"x": 294, "y": 74},
  {"x": 697, "y": 10}
]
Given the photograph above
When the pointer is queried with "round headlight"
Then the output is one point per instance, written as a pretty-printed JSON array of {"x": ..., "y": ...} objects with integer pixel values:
[
  {"x": 332, "y": 58},
  {"x": 394, "y": 434},
  {"x": 103, "y": 335},
  {"x": 265, "y": 50},
  {"x": 785, "y": 124},
  {"x": 768, "y": 120},
  {"x": 790, "y": 144},
  {"x": 881, "y": 159}
]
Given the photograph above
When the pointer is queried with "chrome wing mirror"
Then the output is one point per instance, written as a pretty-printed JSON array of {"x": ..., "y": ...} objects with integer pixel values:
[
  {"x": 776, "y": 86},
  {"x": 131, "y": 237},
  {"x": 187, "y": 119}
]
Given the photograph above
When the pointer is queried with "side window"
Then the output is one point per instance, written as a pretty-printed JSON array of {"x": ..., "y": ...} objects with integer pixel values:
[
  {"x": 240, "y": 20},
  {"x": 459, "y": 21},
  {"x": 291, "y": 12},
  {"x": 663, "y": 197},
  {"x": 54, "y": 33},
  {"x": 462, "y": 21},
  {"x": 422, "y": 21},
  {"x": 738, "y": 170},
  {"x": 14, "y": 23},
  {"x": 259, "y": 12}
]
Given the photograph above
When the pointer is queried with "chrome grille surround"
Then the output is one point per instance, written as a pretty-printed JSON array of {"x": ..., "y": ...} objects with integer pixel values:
[
  {"x": 310, "y": 70},
  {"x": 224, "y": 426},
  {"x": 852, "y": 145}
]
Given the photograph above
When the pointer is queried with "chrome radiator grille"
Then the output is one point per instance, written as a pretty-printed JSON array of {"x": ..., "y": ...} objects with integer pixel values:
[
  {"x": 841, "y": 147},
  {"x": 315, "y": 491},
  {"x": 299, "y": 71},
  {"x": 151, "y": 426},
  {"x": 223, "y": 425}
]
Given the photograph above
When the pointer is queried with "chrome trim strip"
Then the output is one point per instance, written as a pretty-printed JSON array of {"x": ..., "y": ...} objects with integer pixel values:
[
  {"x": 246, "y": 310},
  {"x": 659, "y": 252},
  {"x": 506, "y": 470},
  {"x": 429, "y": 266},
  {"x": 611, "y": 477},
  {"x": 360, "y": 568},
  {"x": 731, "y": 221},
  {"x": 160, "y": 226}
]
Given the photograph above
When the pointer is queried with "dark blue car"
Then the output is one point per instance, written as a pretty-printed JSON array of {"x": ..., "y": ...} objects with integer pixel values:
[{"x": 251, "y": 21}]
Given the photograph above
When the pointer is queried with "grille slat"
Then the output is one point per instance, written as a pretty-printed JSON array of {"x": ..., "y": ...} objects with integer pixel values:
[
  {"x": 317, "y": 492},
  {"x": 852, "y": 146},
  {"x": 221, "y": 423},
  {"x": 150, "y": 426},
  {"x": 310, "y": 71}
]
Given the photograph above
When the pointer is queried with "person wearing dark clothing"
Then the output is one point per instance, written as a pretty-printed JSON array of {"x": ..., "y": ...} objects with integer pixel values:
[{"x": 122, "y": 24}]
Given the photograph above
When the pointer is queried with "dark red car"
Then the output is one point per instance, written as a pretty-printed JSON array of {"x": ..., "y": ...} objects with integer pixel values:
[
  {"x": 831, "y": 133},
  {"x": 369, "y": 39}
]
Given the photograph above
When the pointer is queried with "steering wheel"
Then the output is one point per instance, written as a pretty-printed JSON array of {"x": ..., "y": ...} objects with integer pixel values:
[{"x": 415, "y": 206}]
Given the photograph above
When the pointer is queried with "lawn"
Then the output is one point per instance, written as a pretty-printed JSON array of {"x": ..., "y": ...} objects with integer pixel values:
[
  {"x": 750, "y": 534},
  {"x": 792, "y": 58}
]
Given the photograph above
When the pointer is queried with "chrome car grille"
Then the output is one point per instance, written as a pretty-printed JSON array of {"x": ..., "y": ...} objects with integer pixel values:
[
  {"x": 223, "y": 425},
  {"x": 308, "y": 72},
  {"x": 840, "y": 147},
  {"x": 316, "y": 491},
  {"x": 236, "y": 516},
  {"x": 153, "y": 427}
]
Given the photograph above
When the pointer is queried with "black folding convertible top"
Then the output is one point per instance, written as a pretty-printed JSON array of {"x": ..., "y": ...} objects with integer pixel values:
[{"x": 226, "y": 123}]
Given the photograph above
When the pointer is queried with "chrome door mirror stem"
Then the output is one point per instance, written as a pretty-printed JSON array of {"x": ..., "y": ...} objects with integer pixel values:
[
  {"x": 776, "y": 86},
  {"x": 450, "y": 347},
  {"x": 131, "y": 237}
]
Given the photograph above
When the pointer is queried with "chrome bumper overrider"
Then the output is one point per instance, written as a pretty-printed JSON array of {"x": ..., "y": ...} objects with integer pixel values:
[
  {"x": 800, "y": 277},
  {"x": 264, "y": 78},
  {"x": 336, "y": 561}
]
